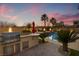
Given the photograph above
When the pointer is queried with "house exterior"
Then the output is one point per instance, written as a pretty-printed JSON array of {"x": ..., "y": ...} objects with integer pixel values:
[{"x": 76, "y": 23}]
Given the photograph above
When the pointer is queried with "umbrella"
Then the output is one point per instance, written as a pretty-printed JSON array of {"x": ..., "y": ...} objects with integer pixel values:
[{"x": 33, "y": 27}]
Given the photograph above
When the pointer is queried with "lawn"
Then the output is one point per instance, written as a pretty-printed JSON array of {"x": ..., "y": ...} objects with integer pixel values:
[{"x": 74, "y": 52}]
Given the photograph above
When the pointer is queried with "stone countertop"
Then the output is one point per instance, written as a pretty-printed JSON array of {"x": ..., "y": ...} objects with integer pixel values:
[{"x": 32, "y": 34}]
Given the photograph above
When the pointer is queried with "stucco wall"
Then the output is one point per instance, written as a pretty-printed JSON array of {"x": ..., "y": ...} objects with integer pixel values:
[
  {"x": 32, "y": 40},
  {"x": 74, "y": 45}
]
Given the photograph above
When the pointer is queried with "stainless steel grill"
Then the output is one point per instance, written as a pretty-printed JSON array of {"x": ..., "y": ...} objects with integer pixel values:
[{"x": 9, "y": 37}]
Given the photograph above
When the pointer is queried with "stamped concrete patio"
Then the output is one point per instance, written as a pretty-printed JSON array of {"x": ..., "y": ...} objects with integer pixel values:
[{"x": 46, "y": 49}]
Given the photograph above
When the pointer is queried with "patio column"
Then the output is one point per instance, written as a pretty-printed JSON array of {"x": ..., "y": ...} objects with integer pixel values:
[
  {"x": 21, "y": 47},
  {"x": 14, "y": 48}
]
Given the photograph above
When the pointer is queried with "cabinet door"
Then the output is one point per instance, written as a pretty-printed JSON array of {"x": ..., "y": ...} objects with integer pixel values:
[
  {"x": 17, "y": 47},
  {"x": 8, "y": 50},
  {"x": 25, "y": 44}
]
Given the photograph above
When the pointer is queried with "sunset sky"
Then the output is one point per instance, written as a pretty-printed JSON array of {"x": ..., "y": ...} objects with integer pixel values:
[{"x": 21, "y": 13}]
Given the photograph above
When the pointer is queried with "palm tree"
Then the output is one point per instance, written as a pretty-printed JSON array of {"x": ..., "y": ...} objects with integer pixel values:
[
  {"x": 44, "y": 18},
  {"x": 53, "y": 21},
  {"x": 43, "y": 36},
  {"x": 66, "y": 36}
]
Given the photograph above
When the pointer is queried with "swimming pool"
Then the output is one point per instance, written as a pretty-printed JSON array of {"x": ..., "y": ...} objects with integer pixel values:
[{"x": 53, "y": 36}]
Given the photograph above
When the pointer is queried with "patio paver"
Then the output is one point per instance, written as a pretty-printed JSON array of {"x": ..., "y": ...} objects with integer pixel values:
[{"x": 46, "y": 49}]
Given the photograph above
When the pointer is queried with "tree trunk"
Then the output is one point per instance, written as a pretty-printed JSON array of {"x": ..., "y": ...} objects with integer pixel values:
[
  {"x": 65, "y": 47},
  {"x": 43, "y": 40},
  {"x": 44, "y": 23}
]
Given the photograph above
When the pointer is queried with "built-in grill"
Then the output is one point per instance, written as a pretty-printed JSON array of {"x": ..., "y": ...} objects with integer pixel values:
[{"x": 9, "y": 37}]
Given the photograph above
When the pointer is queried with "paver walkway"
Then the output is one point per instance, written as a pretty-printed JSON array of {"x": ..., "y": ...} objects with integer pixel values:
[{"x": 46, "y": 49}]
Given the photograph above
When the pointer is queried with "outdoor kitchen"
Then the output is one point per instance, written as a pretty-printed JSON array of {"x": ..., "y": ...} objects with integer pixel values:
[{"x": 13, "y": 42}]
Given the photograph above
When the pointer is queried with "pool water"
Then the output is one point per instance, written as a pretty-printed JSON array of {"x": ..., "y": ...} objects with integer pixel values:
[{"x": 53, "y": 36}]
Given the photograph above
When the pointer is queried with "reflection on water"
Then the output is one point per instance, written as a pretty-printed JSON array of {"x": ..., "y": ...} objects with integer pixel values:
[{"x": 53, "y": 36}]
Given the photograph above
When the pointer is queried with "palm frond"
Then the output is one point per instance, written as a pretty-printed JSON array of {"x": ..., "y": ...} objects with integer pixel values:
[
  {"x": 73, "y": 36},
  {"x": 74, "y": 39},
  {"x": 67, "y": 36}
]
